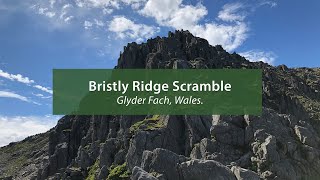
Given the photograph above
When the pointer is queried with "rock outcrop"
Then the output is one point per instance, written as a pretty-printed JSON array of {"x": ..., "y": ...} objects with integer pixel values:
[{"x": 282, "y": 143}]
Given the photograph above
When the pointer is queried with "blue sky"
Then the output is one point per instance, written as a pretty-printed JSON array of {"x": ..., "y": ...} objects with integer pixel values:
[{"x": 37, "y": 36}]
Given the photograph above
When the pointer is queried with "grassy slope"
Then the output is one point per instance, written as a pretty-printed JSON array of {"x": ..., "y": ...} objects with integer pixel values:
[{"x": 16, "y": 156}]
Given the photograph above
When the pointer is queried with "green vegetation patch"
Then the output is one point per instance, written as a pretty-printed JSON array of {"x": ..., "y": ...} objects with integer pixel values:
[
  {"x": 16, "y": 156},
  {"x": 92, "y": 171},
  {"x": 155, "y": 122},
  {"x": 119, "y": 172},
  {"x": 17, "y": 164}
]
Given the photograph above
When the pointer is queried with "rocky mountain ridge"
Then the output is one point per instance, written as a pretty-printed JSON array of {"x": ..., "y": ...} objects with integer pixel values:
[{"x": 283, "y": 143}]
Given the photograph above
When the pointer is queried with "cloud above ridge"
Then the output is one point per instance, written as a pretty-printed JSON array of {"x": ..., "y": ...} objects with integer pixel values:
[
  {"x": 114, "y": 23},
  {"x": 16, "y": 128},
  {"x": 138, "y": 20},
  {"x": 258, "y": 55},
  {"x": 230, "y": 33},
  {"x": 125, "y": 28}
]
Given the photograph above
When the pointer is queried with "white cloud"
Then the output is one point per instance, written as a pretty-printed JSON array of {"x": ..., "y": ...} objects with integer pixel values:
[
  {"x": 46, "y": 12},
  {"x": 187, "y": 16},
  {"x": 135, "y": 4},
  {"x": 270, "y": 3},
  {"x": 162, "y": 10},
  {"x": 257, "y": 55},
  {"x": 98, "y": 3},
  {"x": 16, "y": 128},
  {"x": 7, "y": 94},
  {"x": 174, "y": 13},
  {"x": 66, "y": 6},
  {"x": 107, "y": 11},
  {"x": 129, "y": 2},
  {"x": 16, "y": 77},
  {"x": 68, "y": 19},
  {"x": 228, "y": 29},
  {"x": 45, "y": 89},
  {"x": 23, "y": 79},
  {"x": 125, "y": 28},
  {"x": 87, "y": 24},
  {"x": 52, "y": 3},
  {"x": 109, "y": 4},
  {"x": 98, "y": 23},
  {"x": 179, "y": 16},
  {"x": 65, "y": 13},
  {"x": 229, "y": 36},
  {"x": 38, "y": 95},
  {"x": 230, "y": 12},
  {"x": 41, "y": 96}
]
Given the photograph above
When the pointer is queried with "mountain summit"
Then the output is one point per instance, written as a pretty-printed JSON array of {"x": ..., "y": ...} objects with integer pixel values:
[{"x": 283, "y": 143}]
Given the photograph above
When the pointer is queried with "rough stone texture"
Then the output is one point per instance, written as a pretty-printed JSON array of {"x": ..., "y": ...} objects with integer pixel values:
[
  {"x": 163, "y": 162},
  {"x": 244, "y": 174},
  {"x": 140, "y": 174},
  {"x": 205, "y": 169},
  {"x": 282, "y": 143}
]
